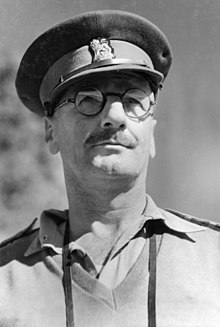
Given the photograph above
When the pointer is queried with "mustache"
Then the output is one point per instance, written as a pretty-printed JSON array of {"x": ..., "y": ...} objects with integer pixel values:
[{"x": 111, "y": 135}]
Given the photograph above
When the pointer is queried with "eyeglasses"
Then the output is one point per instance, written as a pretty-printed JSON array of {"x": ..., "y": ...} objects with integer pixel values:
[{"x": 91, "y": 101}]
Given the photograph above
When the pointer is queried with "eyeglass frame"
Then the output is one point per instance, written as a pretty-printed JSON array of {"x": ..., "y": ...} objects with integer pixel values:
[{"x": 105, "y": 95}]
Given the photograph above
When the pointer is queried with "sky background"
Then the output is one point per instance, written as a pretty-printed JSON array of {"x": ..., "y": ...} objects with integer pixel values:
[{"x": 185, "y": 175}]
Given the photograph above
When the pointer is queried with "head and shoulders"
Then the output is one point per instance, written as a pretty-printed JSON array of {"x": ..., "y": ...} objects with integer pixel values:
[{"x": 97, "y": 92}]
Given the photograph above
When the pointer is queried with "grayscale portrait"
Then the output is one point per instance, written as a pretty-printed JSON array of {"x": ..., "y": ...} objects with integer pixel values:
[{"x": 109, "y": 170}]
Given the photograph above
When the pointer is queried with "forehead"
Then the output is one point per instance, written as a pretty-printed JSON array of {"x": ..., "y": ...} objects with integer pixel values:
[{"x": 111, "y": 82}]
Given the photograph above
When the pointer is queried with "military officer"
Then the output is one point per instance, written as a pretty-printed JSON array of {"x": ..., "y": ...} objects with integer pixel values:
[{"x": 113, "y": 258}]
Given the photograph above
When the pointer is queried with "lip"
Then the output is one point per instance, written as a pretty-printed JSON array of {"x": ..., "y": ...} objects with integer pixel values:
[{"x": 111, "y": 144}]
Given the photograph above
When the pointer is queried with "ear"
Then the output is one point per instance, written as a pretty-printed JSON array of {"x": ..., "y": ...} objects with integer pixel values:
[
  {"x": 51, "y": 136},
  {"x": 152, "y": 145}
]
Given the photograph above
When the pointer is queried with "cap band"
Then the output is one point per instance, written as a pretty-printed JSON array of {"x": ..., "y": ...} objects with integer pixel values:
[
  {"x": 84, "y": 59},
  {"x": 103, "y": 63}
]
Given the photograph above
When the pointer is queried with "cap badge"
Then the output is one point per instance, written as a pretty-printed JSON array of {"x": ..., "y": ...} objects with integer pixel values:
[{"x": 102, "y": 49}]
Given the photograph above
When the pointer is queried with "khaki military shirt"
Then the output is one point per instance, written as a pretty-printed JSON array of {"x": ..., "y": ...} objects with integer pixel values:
[{"x": 32, "y": 291}]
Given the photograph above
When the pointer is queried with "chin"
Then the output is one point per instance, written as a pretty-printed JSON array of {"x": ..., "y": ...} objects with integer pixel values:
[{"x": 116, "y": 167}]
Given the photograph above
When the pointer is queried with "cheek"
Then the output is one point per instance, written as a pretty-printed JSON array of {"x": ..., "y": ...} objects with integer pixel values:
[
  {"x": 145, "y": 135},
  {"x": 71, "y": 135}
]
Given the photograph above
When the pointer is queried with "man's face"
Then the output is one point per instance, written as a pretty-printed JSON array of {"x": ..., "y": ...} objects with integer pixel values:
[{"x": 109, "y": 144}]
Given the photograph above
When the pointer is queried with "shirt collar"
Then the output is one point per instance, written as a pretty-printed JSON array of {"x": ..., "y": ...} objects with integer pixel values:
[
  {"x": 51, "y": 232},
  {"x": 172, "y": 221},
  {"x": 53, "y": 225}
]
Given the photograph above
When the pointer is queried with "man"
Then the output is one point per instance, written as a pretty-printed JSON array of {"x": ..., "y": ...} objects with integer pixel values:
[{"x": 113, "y": 258}]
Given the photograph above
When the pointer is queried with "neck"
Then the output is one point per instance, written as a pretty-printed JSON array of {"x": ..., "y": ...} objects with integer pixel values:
[{"x": 106, "y": 209}]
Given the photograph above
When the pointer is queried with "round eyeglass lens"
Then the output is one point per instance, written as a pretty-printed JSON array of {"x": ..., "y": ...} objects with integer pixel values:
[
  {"x": 89, "y": 102},
  {"x": 136, "y": 103}
]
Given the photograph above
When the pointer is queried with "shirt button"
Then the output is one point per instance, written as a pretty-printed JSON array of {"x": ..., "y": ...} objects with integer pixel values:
[{"x": 44, "y": 238}]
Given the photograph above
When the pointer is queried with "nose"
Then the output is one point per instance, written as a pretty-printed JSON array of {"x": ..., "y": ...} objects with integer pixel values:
[{"x": 113, "y": 114}]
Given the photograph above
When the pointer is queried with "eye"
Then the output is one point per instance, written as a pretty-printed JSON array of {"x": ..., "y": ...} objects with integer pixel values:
[
  {"x": 88, "y": 96},
  {"x": 89, "y": 101},
  {"x": 136, "y": 102},
  {"x": 131, "y": 100}
]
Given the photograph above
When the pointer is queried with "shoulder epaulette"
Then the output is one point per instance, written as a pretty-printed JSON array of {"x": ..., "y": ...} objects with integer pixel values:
[
  {"x": 26, "y": 231},
  {"x": 195, "y": 220}
]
